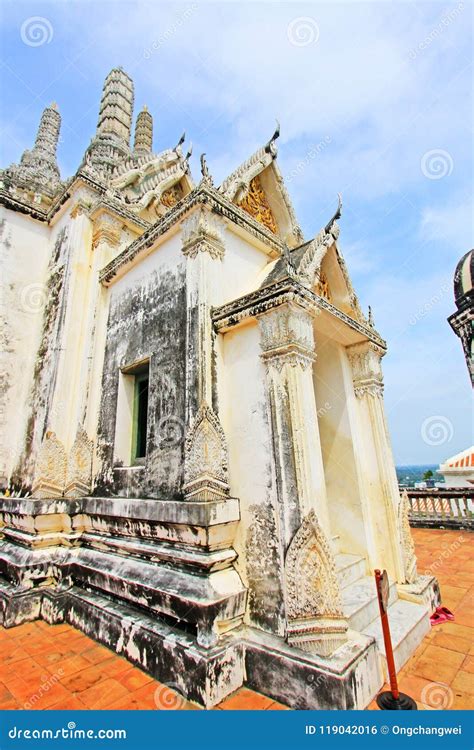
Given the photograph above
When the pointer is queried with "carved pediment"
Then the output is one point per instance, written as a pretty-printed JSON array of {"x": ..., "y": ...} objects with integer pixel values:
[
  {"x": 312, "y": 586},
  {"x": 79, "y": 466},
  {"x": 314, "y": 609},
  {"x": 205, "y": 459},
  {"x": 50, "y": 468}
]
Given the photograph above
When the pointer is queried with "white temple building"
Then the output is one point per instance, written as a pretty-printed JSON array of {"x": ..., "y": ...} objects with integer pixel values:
[{"x": 195, "y": 457}]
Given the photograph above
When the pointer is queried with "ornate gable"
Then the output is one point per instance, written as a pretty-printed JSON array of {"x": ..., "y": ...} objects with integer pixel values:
[{"x": 257, "y": 186}]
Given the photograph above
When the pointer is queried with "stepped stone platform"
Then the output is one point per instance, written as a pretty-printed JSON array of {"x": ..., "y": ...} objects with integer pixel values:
[
  {"x": 46, "y": 666},
  {"x": 155, "y": 582}
]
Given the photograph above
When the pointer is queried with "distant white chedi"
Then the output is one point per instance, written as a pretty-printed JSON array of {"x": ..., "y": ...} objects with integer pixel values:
[{"x": 194, "y": 398}]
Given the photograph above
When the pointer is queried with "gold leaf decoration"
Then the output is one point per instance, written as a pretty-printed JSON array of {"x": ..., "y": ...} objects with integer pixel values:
[
  {"x": 256, "y": 204},
  {"x": 171, "y": 196},
  {"x": 322, "y": 287}
]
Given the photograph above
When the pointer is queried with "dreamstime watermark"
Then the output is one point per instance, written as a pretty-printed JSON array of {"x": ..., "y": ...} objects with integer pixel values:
[
  {"x": 324, "y": 409},
  {"x": 313, "y": 152},
  {"x": 436, "y": 32},
  {"x": 36, "y": 31},
  {"x": 444, "y": 555},
  {"x": 437, "y": 430},
  {"x": 46, "y": 685},
  {"x": 170, "y": 31},
  {"x": 427, "y": 306},
  {"x": 436, "y": 164},
  {"x": 437, "y": 695},
  {"x": 168, "y": 697},
  {"x": 33, "y": 298},
  {"x": 303, "y": 31},
  {"x": 64, "y": 733}
]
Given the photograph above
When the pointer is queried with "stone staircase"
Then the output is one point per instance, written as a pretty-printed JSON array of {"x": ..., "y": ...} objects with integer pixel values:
[{"x": 409, "y": 622}]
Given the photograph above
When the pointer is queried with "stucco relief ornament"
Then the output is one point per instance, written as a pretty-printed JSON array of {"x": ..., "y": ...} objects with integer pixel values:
[
  {"x": 316, "y": 621},
  {"x": 79, "y": 466},
  {"x": 367, "y": 374},
  {"x": 50, "y": 468},
  {"x": 287, "y": 337},
  {"x": 205, "y": 458},
  {"x": 406, "y": 540},
  {"x": 202, "y": 233}
]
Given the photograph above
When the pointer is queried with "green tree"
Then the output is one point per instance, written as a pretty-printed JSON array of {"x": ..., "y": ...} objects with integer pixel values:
[{"x": 428, "y": 474}]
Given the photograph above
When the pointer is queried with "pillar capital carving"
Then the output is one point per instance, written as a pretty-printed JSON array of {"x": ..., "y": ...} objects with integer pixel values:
[
  {"x": 202, "y": 232},
  {"x": 365, "y": 359},
  {"x": 286, "y": 337}
]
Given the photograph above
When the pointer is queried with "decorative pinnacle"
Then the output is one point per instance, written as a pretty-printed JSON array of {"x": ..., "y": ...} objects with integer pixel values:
[
  {"x": 336, "y": 216},
  {"x": 270, "y": 147},
  {"x": 143, "y": 142},
  {"x": 206, "y": 175},
  {"x": 371, "y": 318},
  {"x": 116, "y": 106}
]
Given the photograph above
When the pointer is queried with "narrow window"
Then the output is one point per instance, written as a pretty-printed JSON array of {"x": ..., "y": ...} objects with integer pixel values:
[{"x": 140, "y": 415}]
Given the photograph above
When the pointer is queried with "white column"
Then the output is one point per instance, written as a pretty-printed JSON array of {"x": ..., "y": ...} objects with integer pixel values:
[
  {"x": 287, "y": 342},
  {"x": 376, "y": 459}
]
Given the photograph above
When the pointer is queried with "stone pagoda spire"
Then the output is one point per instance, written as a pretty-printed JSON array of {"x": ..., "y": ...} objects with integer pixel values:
[
  {"x": 38, "y": 168},
  {"x": 111, "y": 144},
  {"x": 143, "y": 142},
  {"x": 116, "y": 106}
]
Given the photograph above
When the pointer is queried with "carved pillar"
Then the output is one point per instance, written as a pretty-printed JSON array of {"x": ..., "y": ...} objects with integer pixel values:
[
  {"x": 205, "y": 451},
  {"x": 203, "y": 248},
  {"x": 106, "y": 236},
  {"x": 379, "y": 481},
  {"x": 287, "y": 342}
]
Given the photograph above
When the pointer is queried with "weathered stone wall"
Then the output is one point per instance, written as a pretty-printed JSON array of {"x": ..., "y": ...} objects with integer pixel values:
[
  {"x": 147, "y": 321},
  {"x": 34, "y": 263},
  {"x": 246, "y": 422}
]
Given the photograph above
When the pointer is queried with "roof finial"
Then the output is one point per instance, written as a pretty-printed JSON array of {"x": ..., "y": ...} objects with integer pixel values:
[
  {"x": 371, "y": 318},
  {"x": 337, "y": 215},
  {"x": 270, "y": 147},
  {"x": 143, "y": 142},
  {"x": 206, "y": 176},
  {"x": 180, "y": 142}
]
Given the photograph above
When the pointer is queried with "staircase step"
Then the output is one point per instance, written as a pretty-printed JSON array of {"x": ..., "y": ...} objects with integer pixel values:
[
  {"x": 349, "y": 569},
  {"x": 409, "y": 623},
  {"x": 360, "y": 603}
]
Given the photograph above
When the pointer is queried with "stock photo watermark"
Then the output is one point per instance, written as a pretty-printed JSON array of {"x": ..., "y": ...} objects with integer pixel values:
[
  {"x": 170, "y": 31},
  {"x": 437, "y": 430},
  {"x": 36, "y": 31},
  {"x": 436, "y": 31},
  {"x": 436, "y": 164},
  {"x": 303, "y": 31}
]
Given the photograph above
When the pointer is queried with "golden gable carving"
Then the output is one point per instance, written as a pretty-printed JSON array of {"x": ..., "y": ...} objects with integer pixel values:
[{"x": 256, "y": 204}]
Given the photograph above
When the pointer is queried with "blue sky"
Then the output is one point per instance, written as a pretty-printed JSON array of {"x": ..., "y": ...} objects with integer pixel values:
[{"x": 374, "y": 101}]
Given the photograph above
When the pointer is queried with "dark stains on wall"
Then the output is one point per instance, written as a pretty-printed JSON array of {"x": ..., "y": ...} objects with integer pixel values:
[
  {"x": 266, "y": 607},
  {"x": 47, "y": 359},
  {"x": 147, "y": 322}
]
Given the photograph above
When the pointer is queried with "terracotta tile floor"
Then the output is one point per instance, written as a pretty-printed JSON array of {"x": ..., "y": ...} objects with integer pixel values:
[{"x": 55, "y": 666}]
